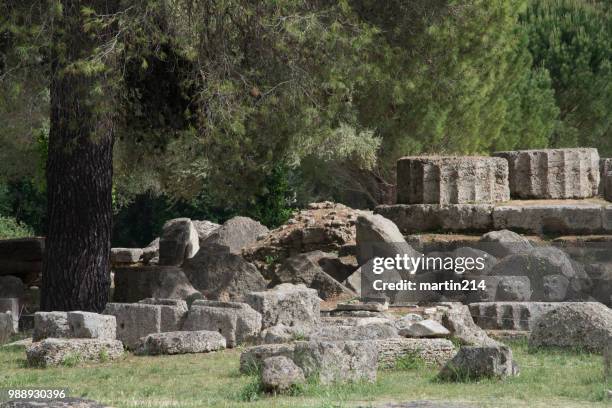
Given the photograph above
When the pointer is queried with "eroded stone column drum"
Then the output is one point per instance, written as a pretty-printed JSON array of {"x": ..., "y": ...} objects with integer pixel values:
[
  {"x": 452, "y": 180},
  {"x": 553, "y": 173}
]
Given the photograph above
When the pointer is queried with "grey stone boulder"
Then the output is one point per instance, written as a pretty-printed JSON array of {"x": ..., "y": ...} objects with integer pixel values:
[
  {"x": 287, "y": 304},
  {"x": 237, "y": 322},
  {"x": 504, "y": 242},
  {"x": 222, "y": 275},
  {"x": 305, "y": 269},
  {"x": 538, "y": 263},
  {"x": 458, "y": 320},
  {"x": 6, "y": 327},
  {"x": 513, "y": 289},
  {"x": 89, "y": 325},
  {"x": 51, "y": 324},
  {"x": 279, "y": 374},
  {"x": 204, "y": 229},
  {"x": 179, "y": 241},
  {"x": 181, "y": 342},
  {"x": 377, "y": 236},
  {"x": 476, "y": 362},
  {"x": 326, "y": 361},
  {"x": 173, "y": 312},
  {"x": 53, "y": 352},
  {"x": 134, "y": 321},
  {"x": 125, "y": 255},
  {"x": 134, "y": 283},
  {"x": 575, "y": 325},
  {"x": 236, "y": 234},
  {"x": 426, "y": 328},
  {"x": 11, "y": 287}
]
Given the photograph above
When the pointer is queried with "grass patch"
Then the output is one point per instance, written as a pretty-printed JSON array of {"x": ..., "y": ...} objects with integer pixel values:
[{"x": 549, "y": 378}]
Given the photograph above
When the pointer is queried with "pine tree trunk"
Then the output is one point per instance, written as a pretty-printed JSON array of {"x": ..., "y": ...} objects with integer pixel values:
[{"x": 76, "y": 271}]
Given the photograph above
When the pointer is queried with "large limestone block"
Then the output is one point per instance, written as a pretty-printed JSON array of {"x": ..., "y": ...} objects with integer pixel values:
[
  {"x": 553, "y": 173},
  {"x": 236, "y": 233},
  {"x": 327, "y": 361},
  {"x": 435, "y": 352},
  {"x": 414, "y": 218},
  {"x": 125, "y": 255},
  {"x": 452, "y": 180},
  {"x": 305, "y": 269},
  {"x": 605, "y": 178},
  {"x": 475, "y": 362},
  {"x": 134, "y": 320},
  {"x": 510, "y": 315},
  {"x": 378, "y": 236},
  {"x": 287, "y": 304},
  {"x": 181, "y": 342},
  {"x": 179, "y": 241},
  {"x": 553, "y": 218},
  {"x": 585, "y": 325},
  {"x": 51, "y": 324},
  {"x": 173, "y": 312},
  {"x": 53, "y": 352},
  {"x": 280, "y": 374},
  {"x": 89, "y": 325},
  {"x": 221, "y": 274},
  {"x": 237, "y": 322}
]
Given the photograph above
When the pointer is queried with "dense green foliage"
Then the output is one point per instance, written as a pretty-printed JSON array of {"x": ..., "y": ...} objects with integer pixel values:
[
  {"x": 572, "y": 39},
  {"x": 255, "y": 107}
]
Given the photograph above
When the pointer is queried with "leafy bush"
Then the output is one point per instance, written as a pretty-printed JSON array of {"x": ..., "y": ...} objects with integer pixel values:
[{"x": 11, "y": 228}]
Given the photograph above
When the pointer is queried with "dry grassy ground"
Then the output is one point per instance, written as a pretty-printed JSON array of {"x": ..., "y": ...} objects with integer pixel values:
[{"x": 548, "y": 379}]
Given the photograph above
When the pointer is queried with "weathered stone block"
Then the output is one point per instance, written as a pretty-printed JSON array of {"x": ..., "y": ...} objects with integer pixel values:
[
  {"x": 586, "y": 325},
  {"x": 416, "y": 218},
  {"x": 328, "y": 361},
  {"x": 510, "y": 315},
  {"x": 452, "y": 180},
  {"x": 237, "y": 322},
  {"x": 280, "y": 373},
  {"x": 287, "y": 304},
  {"x": 181, "y": 342},
  {"x": 179, "y": 241},
  {"x": 53, "y": 352},
  {"x": 605, "y": 171},
  {"x": 92, "y": 326},
  {"x": 173, "y": 312},
  {"x": 475, "y": 362},
  {"x": 553, "y": 173},
  {"x": 562, "y": 218},
  {"x": 134, "y": 320},
  {"x": 434, "y": 352},
  {"x": 51, "y": 324}
]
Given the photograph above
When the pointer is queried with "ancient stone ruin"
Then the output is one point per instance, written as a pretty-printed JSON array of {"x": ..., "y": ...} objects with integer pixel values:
[{"x": 298, "y": 302}]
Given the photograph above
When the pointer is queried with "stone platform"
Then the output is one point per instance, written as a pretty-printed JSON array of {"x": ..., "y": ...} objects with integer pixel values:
[{"x": 539, "y": 217}]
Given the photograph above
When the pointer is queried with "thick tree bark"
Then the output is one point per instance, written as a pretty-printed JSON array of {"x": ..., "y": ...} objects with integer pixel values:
[{"x": 76, "y": 271}]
